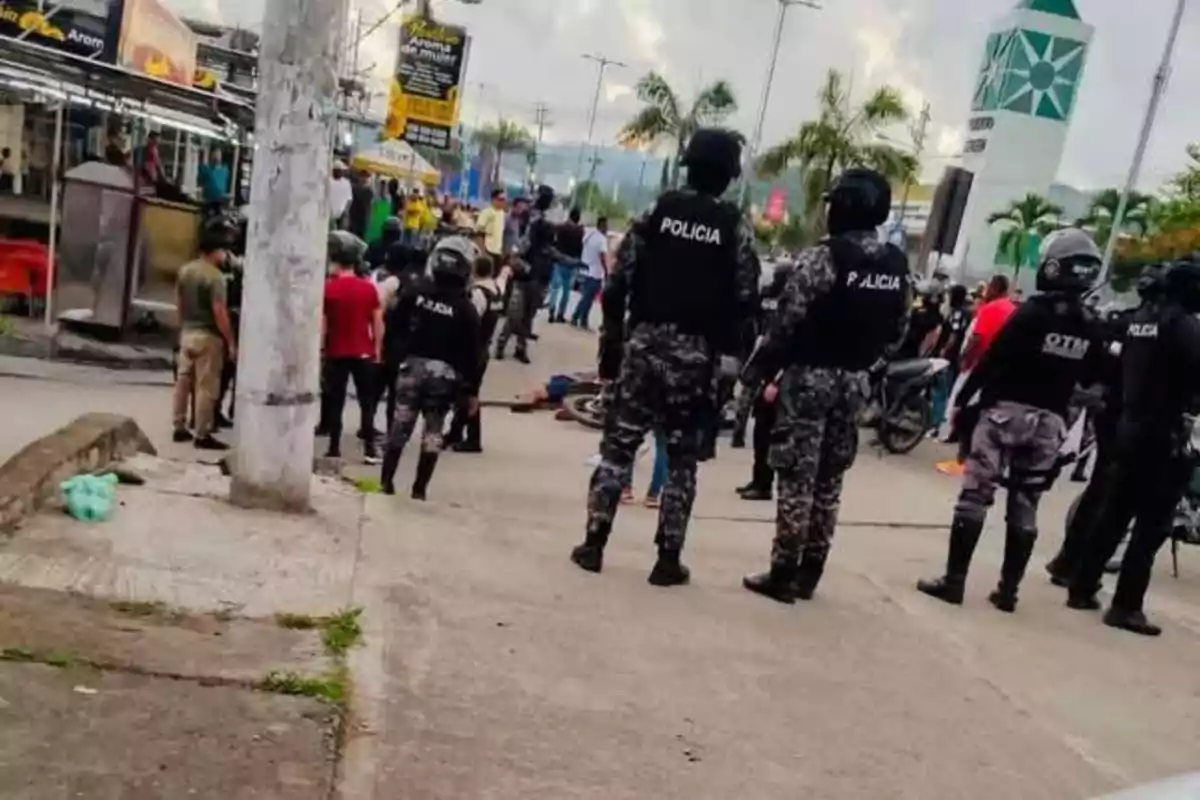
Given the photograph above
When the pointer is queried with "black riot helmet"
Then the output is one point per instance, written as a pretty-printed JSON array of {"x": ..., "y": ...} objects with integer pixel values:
[
  {"x": 1150, "y": 282},
  {"x": 544, "y": 198},
  {"x": 218, "y": 232},
  {"x": 1070, "y": 262},
  {"x": 713, "y": 159},
  {"x": 453, "y": 259},
  {"x": 393, "y": 225},
  {"x": 859, "y": 200},
  {"x": 345, "y": 249},
  {"x": 1181, "y": 284}
]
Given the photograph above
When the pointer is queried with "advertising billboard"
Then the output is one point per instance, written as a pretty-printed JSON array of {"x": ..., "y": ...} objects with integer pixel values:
[
  {"x": 157, "y": 43},
  {"x": 79, "y": 27},
  {"x": 426, "y": 86}
]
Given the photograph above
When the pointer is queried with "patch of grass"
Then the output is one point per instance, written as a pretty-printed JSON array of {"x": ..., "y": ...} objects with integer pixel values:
[
  {"x": 368, "y": 485},
  {"x": 339, "y": 632},
  {"x": 145, "y": 609},
  {"x": 330, "y": 687},
  {"x": 17, "y": 654},
  {"x": 6, "y": 326},
  {"x": 298, "y": 622},
  {"x": 54, "y": 658},
  {"x": 342, "y": 631}
]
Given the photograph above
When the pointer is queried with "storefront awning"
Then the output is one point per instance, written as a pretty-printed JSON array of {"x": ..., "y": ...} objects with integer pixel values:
[
  {"x": 25, "y": 65},
  {"x": 397, "y": 159}
]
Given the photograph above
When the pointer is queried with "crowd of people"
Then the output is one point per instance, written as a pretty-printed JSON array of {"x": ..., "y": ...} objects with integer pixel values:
[{"x": 683, "y": 317}]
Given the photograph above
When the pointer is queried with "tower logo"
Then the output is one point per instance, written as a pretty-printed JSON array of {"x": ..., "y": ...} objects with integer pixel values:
[{"x": 1029, "y": 72}]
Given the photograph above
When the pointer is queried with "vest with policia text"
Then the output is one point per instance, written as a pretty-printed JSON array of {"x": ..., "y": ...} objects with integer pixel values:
[
  {"x": 851, "y": 326},
  {"x": 686, "y": 273}
]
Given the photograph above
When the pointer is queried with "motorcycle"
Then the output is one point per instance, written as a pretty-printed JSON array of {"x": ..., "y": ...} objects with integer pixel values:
[{"x": 900, "y": 408}]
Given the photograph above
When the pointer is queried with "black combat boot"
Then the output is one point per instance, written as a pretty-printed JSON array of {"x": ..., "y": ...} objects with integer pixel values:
[
  {"x": 1056, "y": 568},
  {"x": 668, "y": 571},
  {"x": 964, "y": 536},
  {"x": 812, "y": 567},
  {"x": 779, "y": 584},
  {"x": 1018, "y": 548},
  {"x": 756, "y": 493},
  {"x": 387, "y": 477},
  {"x": 1132, "y": 621},
  {"x": 589, "y": 556},
  {"x": 425, "y": 467},
  {"x": 739, "y": 439}
]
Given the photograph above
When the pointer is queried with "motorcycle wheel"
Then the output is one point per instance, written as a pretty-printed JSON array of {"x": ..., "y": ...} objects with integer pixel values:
[
  {"x": 901, "y": 431},
  {"x": 586, "y": 409}
]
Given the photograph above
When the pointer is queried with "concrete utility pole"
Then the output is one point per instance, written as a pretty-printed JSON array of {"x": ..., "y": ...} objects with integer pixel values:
[
  {"x": 541, "y": 116},
  {"x": 756, "y": 139},
  {"x": 604, "y": 63},
  {"x": 1157, "y": 90},
  {"x": 279, "y": 364}
]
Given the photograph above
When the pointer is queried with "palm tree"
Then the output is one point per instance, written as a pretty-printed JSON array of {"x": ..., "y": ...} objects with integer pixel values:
[
  {"x": 1103, "y": 210},
  {"x": 500, "y": 137},
  {"x": 842, "y": 136},
  {"x": 665, "y": 118},
  {"x": 1031, "y": 216}
]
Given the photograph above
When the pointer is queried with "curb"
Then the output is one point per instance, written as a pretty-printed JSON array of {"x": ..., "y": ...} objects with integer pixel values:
[{"x": 30, "y": 479}]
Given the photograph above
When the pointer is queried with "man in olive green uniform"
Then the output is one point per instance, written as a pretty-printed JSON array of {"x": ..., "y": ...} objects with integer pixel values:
[{"x": 205, "y": 334}]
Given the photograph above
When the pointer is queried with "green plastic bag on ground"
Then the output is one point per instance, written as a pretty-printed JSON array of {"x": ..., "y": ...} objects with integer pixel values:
[{"x": 90, "y": 498}]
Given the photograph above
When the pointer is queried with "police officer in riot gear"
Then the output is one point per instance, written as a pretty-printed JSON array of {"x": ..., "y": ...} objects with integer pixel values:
[
  {"x": 466, "y": 428},
  {"x": 532, "y": 268},
  {"x": 688, "y": 276},
  {"x": 1026, "y": 380},
  {"x": 1081, "y": 524},
  {"x": 433, "y": 334},
  {"x": 843, "y": 306},
  {"x": 1160, "y": 377}
]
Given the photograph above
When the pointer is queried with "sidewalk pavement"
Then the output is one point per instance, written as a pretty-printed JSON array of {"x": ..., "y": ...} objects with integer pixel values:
[{"x": 492, "y": 667}]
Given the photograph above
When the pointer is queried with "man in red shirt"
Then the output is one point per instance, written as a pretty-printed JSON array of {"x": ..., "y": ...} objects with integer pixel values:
[
  {"x": 997, "y": 307},
  {"x": 352, "y": 332},
  {"x": 989, "y": 319}
]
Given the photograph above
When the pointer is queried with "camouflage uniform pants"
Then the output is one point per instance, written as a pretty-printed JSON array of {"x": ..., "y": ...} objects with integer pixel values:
[
  {"x": 813, "y": 444},
  {"x": 523, "y": 304},
  {"x": 745, "y": 404},
  {"x": 424, "y": 388},
  {"x": 1025, "y": 441},
  {"x": 665, "y": 385}
]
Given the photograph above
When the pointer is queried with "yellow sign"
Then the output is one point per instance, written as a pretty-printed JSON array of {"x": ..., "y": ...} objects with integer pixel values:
[
  {"x": 423, "y": 101},
  {"x": 205, "y": 79}
]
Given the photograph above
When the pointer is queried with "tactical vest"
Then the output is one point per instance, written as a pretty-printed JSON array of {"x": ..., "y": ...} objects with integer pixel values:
[
  {"x": 687, "y": 268},
  {"x": 435, "y": 324},
  {"x": 491, "y": 314},
  {"x": 852, "y": 326}
]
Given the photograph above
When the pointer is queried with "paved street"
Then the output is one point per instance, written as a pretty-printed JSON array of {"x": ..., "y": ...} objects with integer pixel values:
[{"x": 492, "y": 667}]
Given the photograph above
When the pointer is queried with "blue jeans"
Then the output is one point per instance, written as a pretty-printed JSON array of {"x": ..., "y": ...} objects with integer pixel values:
[
  {"x": 658, "y": 476},
  {"x": 561, "y": 281},
  {"x": 588, "y": 287},
  {"x": 941, "y": 396}
]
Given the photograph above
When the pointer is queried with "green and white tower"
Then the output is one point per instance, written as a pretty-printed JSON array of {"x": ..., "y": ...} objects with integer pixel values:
[{"x": 1024, "y": 97}]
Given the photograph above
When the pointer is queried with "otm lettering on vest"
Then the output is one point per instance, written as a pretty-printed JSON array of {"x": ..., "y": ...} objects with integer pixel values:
[
  {"x": 692, "y": 231},
  {"x": 1065, "y": 346}
]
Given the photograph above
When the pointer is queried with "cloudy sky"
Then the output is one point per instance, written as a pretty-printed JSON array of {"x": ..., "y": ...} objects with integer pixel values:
[{"x": 530, "y": 51}]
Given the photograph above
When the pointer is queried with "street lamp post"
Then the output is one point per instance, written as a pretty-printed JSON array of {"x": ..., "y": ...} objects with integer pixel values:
[
  {"x": 1135, "y": 168},
  {"x": 756, "y": 139},
  {"x": 604, "y": 63}
]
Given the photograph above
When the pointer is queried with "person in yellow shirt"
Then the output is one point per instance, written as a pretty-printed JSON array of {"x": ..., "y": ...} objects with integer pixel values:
[
  {"x": 414, "y": 217},
  {"x": 490, "y": 228}
]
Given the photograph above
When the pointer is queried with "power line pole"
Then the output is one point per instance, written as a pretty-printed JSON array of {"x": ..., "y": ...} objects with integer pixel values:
[
  {"x": 603, "y": 63},
  {"x": 541, "y": 115},
  {"x": 1157, "y": 90},
  {"x": 756, "y": 139},
  {"x": 279, "y": 360}
]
